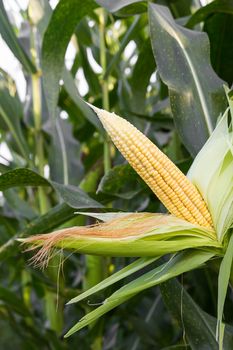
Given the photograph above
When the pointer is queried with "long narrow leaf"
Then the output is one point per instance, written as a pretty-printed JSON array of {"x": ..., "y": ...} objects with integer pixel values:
[
  {"x": 119, "y": 275},
  {"x": 175, "y": 266},
  {"x": 56, "y": 40},
  {"x": 198, "y": 327},
  {"x": 223, "y": 281}
]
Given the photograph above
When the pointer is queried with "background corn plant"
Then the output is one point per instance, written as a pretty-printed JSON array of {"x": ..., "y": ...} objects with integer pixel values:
[{"x": 142, "y": 62}]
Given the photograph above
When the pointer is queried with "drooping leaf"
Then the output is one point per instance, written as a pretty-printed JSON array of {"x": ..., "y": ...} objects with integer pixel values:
[
  {"x": 55, "y": 42},
  {"x": 44, "y": 8},
  {"x": 182, "y": 57},
  {"x": 75, "y": 197},
  {"x": 71, "y": 195},
  {"x": 21, "y": 177}
]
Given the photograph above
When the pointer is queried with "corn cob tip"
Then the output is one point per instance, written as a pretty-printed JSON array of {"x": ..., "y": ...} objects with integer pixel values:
[{"x": 107, "y": 118}]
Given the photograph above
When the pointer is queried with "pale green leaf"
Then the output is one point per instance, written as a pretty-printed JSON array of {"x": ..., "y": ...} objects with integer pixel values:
[
  {"x": 223, "y": 281},
  {"x": 216, "y": 183},
  {"x": 175, "y": 266},
  {"x": 117, "y": 276}
]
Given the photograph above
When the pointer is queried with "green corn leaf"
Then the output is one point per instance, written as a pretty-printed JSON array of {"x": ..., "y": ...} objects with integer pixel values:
[
  {"x": 87, "y": 112},
  {"x": 175, "y": 266},
  {"x": 43, "y": 8},
  {"x": 223, "y": 281},
  {"x": 216, "y": 186},
  {"x": 198, "y": 326},
  {"x": 119, "y": 275},
  {"x": 182, "y": 57},
  {"x": 73, "y": 196},
  {"x": 55, "y": 42}
]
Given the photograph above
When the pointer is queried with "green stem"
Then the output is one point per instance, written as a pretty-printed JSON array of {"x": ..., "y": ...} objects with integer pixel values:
[
  {"x": 104, "y": 84},
  {"x": 36, "y": 95}
]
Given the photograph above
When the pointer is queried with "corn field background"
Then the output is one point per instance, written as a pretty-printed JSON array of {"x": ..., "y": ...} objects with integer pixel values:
[{"x": 162, "y": 66}]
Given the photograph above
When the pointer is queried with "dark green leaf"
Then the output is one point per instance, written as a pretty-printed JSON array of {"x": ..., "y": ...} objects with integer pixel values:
[
  {"x": 121, "y": 181},
  {"x": 73, "y": 196},
  {"x": 219, "y": 28},
  {"x": 21, "y": 177},
  {"x": 198, "y": 326},
  {"x": 90, "y": 75},
  {"x": 142, "y": 71},
  {"x": 182, "y": 57}
]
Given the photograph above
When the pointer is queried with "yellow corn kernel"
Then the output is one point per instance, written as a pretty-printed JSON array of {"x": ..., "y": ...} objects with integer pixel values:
[{"x": 169, "y": 184}]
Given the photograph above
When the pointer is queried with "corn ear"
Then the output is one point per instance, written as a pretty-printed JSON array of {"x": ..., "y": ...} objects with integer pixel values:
[{"x": 169, "y": 184}]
